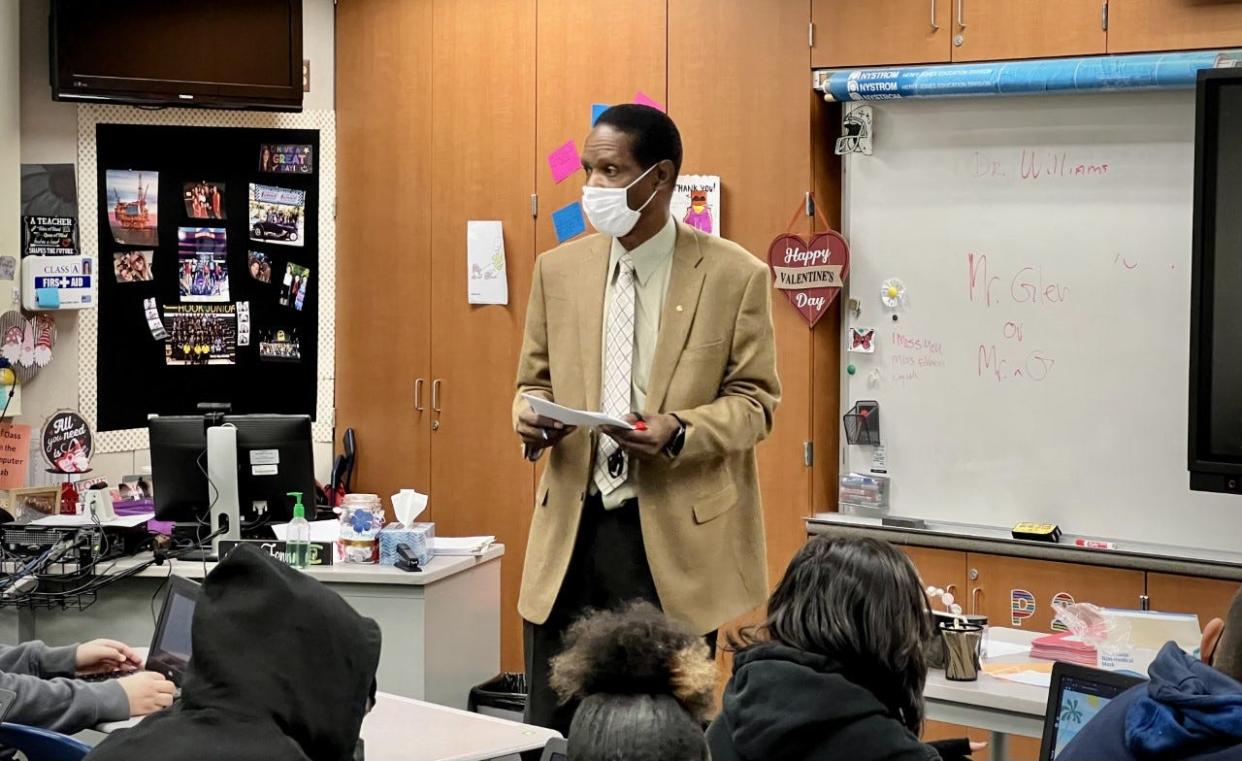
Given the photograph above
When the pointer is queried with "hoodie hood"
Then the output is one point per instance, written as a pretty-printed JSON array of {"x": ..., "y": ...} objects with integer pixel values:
[
  {"x": 1190, "y": 708},
  {"x": 785, "y": 704},
  {"x": 270, "y": 642}
]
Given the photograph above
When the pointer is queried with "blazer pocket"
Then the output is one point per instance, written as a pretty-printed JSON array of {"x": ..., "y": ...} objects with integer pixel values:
[
  {"x": 702, "y": 347},
  {"x": 712, "y": 506}
]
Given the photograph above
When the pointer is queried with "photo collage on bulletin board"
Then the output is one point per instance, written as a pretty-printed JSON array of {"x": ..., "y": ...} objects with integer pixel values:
[{"x": 209, "y": 242}]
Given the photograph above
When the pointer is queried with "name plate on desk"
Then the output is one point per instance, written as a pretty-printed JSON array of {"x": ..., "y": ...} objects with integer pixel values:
[{"x": 320, "y": 552}]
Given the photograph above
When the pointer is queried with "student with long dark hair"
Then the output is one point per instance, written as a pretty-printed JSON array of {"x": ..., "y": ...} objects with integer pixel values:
[
  {"x": 836, "y": 670},
  {"x": 645, "y": 686}
]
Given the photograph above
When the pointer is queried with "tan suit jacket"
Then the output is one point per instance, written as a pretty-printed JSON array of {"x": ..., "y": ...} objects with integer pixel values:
[{"x": 715, "y": 368}]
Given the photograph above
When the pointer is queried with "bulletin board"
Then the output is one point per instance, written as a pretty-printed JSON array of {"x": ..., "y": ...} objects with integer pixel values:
[{"x": 127, "y": 372}]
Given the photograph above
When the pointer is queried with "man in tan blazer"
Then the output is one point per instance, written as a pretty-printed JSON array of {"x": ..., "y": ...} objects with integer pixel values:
[{"x": 670, "y": 329}]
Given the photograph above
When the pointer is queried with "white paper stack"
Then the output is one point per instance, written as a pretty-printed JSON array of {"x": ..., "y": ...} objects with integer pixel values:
[{"x": 462, "y": 545}]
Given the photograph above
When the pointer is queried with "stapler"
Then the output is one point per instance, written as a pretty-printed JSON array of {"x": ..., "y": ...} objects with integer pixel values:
[{"x": 408, "y": 561}]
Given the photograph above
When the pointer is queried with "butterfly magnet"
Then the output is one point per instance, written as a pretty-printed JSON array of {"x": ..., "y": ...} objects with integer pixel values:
[{"x": 862, "y": 340}]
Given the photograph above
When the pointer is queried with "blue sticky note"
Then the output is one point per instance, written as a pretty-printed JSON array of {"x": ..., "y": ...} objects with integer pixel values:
[
  {"x": 568, "y": 222},
  {"x": 596, "y": 110},
  {"x": 47, "y": 298}
]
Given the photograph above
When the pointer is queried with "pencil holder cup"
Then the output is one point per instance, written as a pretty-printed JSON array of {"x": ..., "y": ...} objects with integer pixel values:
[{"x": 961, "y": 652}]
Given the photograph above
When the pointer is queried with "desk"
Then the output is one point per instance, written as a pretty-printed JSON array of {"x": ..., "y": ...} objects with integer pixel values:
[
  {"x": 1003, "y": 708},
  {"x": 402, "y": 729},
  {"x": 441, "y": 627}
]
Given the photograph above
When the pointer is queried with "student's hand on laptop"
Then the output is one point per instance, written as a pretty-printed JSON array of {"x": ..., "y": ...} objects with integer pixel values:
[
  {"x": 148, "y": 692},
  {"x": 105, "y": 656}
]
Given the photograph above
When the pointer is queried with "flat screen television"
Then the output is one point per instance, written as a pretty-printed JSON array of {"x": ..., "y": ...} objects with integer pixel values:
[
  {"x": 242, "y": 54},
  {"x": 1215, "y": 425}
]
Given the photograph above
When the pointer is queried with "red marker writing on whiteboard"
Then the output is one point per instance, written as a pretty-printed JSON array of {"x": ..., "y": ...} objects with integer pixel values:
[{"x": 1093, "y": 544}]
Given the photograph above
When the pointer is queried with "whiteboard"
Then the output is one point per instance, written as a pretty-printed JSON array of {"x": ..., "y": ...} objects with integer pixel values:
[{"x": 1038, "y": 368}]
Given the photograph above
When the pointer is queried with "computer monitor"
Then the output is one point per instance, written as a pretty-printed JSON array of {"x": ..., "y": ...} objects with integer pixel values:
[
  {"x": 1076, "y": 695},
  {"x": 274, "y": 457},
  {"x": 171, "y": 644},
  {"x": 179, "y": 467}
]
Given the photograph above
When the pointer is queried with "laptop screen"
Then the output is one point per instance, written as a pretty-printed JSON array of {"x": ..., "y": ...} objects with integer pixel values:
[
  {"x": 556, "y": 750},
  {"x": 171, "y": 646},
  {"x": 1078, "y": 701},
  {"x": 175, "y": 638}
]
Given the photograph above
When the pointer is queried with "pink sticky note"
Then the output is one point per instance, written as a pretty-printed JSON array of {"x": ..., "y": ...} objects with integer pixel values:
[
  {"x": 564, "y": 161},
  {"x": 643, "y": 99}
]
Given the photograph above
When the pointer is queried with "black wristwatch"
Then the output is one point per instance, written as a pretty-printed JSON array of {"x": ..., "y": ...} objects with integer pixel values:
[{"x": 677, "y": 441}]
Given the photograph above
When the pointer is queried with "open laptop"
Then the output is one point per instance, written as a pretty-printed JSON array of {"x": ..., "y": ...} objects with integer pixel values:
[
  {"x": 1076, "y": 695},
  {"x": 556, "y": 750},
  {"x": 170, "y": 645}
]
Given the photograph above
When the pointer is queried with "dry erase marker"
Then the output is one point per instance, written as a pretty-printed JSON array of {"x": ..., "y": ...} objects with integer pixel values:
[
  {"x": 1093, "y": 544},
  {"x": 639, "y": 423}
]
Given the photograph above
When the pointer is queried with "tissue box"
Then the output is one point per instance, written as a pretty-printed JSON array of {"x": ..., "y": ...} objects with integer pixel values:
[{"x": 417, "y": 536}]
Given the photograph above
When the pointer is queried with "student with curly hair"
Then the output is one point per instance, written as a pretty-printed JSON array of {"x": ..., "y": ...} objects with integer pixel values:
[
  {"x": 837, "y": 669},
  {"x": 645, "y": 686}
]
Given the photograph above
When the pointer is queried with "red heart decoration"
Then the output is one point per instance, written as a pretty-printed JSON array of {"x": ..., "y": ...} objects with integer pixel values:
[{"x": 825, "y": 258}]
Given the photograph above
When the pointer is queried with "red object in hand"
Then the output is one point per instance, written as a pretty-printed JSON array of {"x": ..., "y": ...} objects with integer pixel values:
[{"x": 640, "y": 426}]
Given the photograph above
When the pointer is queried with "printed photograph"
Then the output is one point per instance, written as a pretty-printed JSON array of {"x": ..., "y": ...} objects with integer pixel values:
[
  {"x": 202, "y": 264},
  {"x": 276, "y": 214},
  {"x": 133, "y": 205},
  {"x": 34, "y": 502},
  {"x": 280, "y": 345},
  {"x": 204, "y": 200},
  {"x": 133, "y": 266},
  {"x": 286, "y": 159},
  {"x": 200, "y": 334},
  {"x": 293, "y": 287},
  {"x": 260, "y": 266}
]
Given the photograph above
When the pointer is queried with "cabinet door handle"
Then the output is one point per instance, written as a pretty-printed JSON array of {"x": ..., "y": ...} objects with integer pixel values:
[
  {"x": 961, "y": 17},
  {"x": 974, "y": 600},
  {"x": 418, "y": 395},
  {"x": 435, "y": 395},
  {"x": 935, "y": 27}
]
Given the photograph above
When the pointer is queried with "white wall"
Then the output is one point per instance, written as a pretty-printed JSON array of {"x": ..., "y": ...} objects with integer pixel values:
[{"x": 49, "y": 134}]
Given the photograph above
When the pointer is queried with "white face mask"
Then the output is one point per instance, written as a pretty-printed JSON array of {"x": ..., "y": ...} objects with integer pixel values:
[{"x": 609, "y": 208}]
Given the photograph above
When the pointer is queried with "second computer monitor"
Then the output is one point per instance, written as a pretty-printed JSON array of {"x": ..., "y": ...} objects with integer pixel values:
[{"x": 274, "y": 457}]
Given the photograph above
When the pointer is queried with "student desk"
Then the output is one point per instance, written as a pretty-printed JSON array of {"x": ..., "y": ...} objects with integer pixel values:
[
  {"x": 1002, "y": 707},
  {"x": 402, "y": 729},
  {"x": 441, "y": 627}
]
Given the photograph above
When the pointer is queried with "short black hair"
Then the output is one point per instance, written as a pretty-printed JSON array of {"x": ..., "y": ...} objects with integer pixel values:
[{"x": 653, "y": 135}]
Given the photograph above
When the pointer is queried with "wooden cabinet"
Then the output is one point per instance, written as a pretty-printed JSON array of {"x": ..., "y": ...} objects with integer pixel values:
[
  {"x": 1018, "y": 592},
  {"x": 1208, "y": 598},
  {"x": 383, "y": 283},
  {"x": 1142, "y": 25},
  {"x": 940, "y": 568},
  {"x": 880, "y": 32},
  {"x": 483, "y": 149},
  {"x": 767, "y": 76},
  {"x": 986, "y": 30},
  {"x": 591, "y": 51},
  {"x": 423, "y": 377}
]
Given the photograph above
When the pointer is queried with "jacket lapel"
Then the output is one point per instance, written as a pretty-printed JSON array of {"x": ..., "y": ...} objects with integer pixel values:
[
  {"x": 684, "y": 284},
  {"x": 593, "y": 277}
]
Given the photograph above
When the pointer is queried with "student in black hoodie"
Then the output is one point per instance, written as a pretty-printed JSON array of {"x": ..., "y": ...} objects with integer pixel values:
[
  {"x": 645, "y": 684},
  {"x": 282, "y": 669},
  {"x": 836, "y": 671}
]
